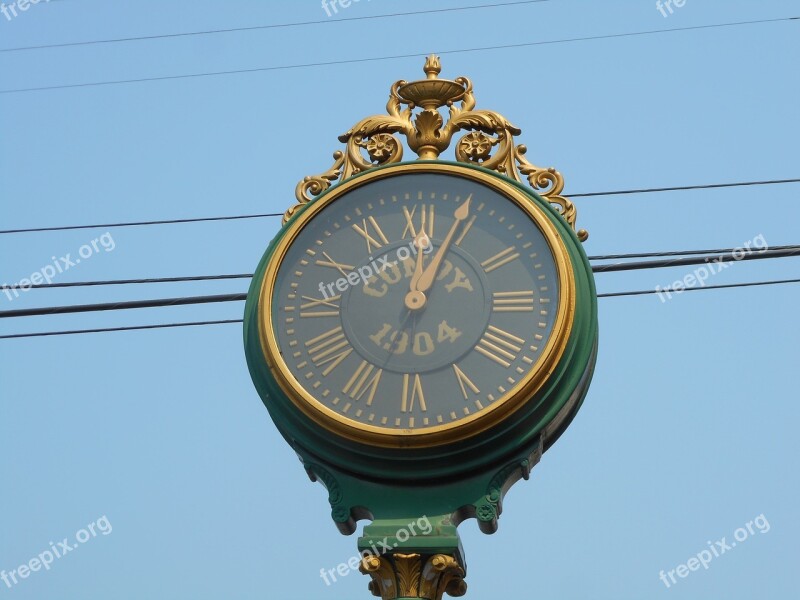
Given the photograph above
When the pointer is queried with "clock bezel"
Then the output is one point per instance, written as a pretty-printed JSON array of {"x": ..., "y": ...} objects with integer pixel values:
[{"x": 461, "y": 429}]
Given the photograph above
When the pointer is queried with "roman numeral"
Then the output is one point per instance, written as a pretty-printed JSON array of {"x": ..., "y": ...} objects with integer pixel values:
[
  {"x": 324, "y": 307},
  {"x": 330, "y": 348},
  {"x": 364, "y": 231},
  {"x": 465, "y": 382},
  {"x": 358, "y": 385},
  {"x": 412, "y": 391},
  {"x": 425, "y": 219},
  {"x": 512, "y": 301},
  {"x": 498, "y": 346},
  {"x": 499, "y": 259},
  {"x": 342, "y": 268}
]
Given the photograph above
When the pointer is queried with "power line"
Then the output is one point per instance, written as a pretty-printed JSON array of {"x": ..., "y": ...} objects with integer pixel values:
[
  {"x": 129, "y": 281},
  {"x": 198, "y": 323},
  {"x": 274, "y": 26},
  {"x": 82, "y": 308},
  {"x": 719, "y": 256},
  {"x": 187, "y": 300},
  {"x": 711, "y": 260},
  {"x": 695, "y": 289},
  {"x": 109, "y": 329},
  {"x": 680, "y": 253},
  {"x": 393, "y": 57},
  {"x": 140, "y": 223},
  {"x": 683, "y": 188},
  {"x": 266, "y": 215}
]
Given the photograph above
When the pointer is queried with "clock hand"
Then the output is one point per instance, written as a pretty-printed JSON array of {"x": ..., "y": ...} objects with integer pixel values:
[
  {"x": 414, "y": 299},
  {"x": 429, "y": 274},
  {"x": 403, "y": 325},
  {"x": 418, "y": 241}
]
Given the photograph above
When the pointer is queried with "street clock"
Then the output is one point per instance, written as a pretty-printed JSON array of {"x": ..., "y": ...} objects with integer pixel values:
[{"x": 421, "y": 332}]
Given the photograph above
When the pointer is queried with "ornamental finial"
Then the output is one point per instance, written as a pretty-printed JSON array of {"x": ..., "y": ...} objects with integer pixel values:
[
  {"x": 413, "y": 112},
  {"x": 432, "y": 67}
]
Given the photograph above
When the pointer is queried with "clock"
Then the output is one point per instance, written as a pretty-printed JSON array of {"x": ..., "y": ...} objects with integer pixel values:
[
  {"x": 422, "y": 332},
  {"x": 415, "y": 306}
]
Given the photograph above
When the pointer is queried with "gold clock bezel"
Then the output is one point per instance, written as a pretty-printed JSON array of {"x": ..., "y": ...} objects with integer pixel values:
[{"x": 446, "y": 433}]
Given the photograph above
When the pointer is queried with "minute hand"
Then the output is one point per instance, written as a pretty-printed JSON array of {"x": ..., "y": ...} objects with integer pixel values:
[{"x": 429, "y": 274}]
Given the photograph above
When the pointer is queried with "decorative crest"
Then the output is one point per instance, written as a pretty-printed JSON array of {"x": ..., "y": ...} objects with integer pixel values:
[{"x": 489, "y": 142}]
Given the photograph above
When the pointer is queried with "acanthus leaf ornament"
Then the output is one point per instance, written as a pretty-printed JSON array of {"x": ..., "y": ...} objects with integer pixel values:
[
  {"x": 489, "y": 141},
  {"x": 427, "y": 577}
]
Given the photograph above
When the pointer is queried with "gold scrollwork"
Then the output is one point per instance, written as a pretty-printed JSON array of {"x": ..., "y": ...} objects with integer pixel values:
[
  {"x": 426, "y": 577},
  {"x": 488, "y": 143}
]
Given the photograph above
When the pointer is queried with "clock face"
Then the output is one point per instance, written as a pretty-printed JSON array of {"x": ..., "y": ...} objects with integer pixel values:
[{"x": 416, "y": 302}]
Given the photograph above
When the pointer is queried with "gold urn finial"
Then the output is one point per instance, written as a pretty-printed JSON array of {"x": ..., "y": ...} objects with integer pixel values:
[
  {"x": 432, "y": 93},
  {"x": 432, "y": 66}
]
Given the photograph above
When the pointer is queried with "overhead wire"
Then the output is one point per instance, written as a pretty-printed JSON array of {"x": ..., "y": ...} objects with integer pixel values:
[
  {"x": 266, "y": 215},
  {"x": 110, "y": 329},
  {"x": 695, "y": 289},
  {"x": 228, "y": 321},
  {"x": 187, "y": 300},
  {"x": 718, "y": 256},
  {"x": 746, "y": 254},
  {"x": 272, "y": 26},
  {"x": 680, "y": 253},
  {"x": 391, "y": 57}
]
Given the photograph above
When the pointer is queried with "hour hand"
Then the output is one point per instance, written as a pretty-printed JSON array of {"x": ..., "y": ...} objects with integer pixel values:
[
  {"x": 415, "y": 299},
  {"x": 421, "y": 242}
]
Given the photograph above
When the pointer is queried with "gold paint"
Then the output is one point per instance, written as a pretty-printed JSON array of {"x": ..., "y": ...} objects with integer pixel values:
[
  {"x": 513, "y": 301},
  {"x": 465, "y": 230},
  {"x": 488, "y": 354},
  {"x": 426, "y": 218},
  {"x": 357, "y": 389},
  {"x": 499, "y": 259},
  {"x": 342, "y": 268},
  {"x": 363, "y": 231},
  {"x": 415, "y": 390},
  {"x": 465, "y": 382},
  {"x": 312, "y": 302},
  {"x": 506, "y": 335},
  {"x": 323, "y": 349},
  {"x": 489, "y": 345},
  {"x": 398, "y": 575},
  {"x": 490, "y": 142}
]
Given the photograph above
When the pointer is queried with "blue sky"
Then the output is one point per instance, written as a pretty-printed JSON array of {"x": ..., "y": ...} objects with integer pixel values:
[{"x": 688, "y": 430}]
